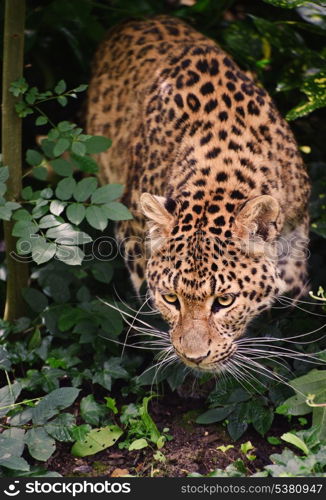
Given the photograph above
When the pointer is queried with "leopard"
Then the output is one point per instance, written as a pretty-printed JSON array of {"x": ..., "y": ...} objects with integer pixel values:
[{"x": 213, "y": 177}]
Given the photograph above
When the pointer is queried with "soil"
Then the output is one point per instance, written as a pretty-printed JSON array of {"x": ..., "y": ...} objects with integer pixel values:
[{"x": 192, "y": 449}]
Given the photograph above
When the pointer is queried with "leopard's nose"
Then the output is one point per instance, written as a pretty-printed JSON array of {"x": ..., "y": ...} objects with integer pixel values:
[{"x": 198, "y": 359}]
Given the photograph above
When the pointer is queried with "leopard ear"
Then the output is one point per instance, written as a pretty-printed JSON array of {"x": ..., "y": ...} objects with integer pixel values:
[
  {"x": 256, "y": 221},
  {"x": 160, "y": 220}
]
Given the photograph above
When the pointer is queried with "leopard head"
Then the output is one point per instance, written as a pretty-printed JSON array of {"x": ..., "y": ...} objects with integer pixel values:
[{"x": 210, "y": 287}]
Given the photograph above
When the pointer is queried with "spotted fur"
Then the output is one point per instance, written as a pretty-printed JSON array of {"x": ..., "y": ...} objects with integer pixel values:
[{"x": 205, "y": 156}]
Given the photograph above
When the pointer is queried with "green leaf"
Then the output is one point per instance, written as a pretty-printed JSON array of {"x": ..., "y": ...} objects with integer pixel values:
[
  {"x": 311, "y": 383},
  {"x": 66, "y": 234},
  {"x": 46, "y": 193},
  {"x": 69, "y": 317},
  {"x": 40, "y": 210},
  {"x": 236, "y": 428},
  {"x": 5, "y": 363},
  {"x": 35, "y": 340},
  {"x": 319, "y": 420},
  {"x": 62, "y": 100},
  {"x": 5, "y": 213},
  {"x": 61, "y": 145},
  {"x": 60, "y": 87},
  {"x": 176, "y": 376},
  {"x": 85, "y": 188},
  {"x": 31, "y": 95},
  {"x": 224, "y": 448},
  {"x": 76, "y": 213},
  {"x": 65, "y": 188},
  {"x": 116, "y": 211},
  {"x": 33, "y": 157},
  {"x": 12, "y": 205},
  {"x": 104, "y": 379},
  {"x": 79, "y": 432},
  {"x": 53, "y": 134},
  {"x": 114, "y": 368},
  {"x": 41, "y": 120},
  {"x": 97, "y": 440},
  {"x": 286, "y": 4},
  {"x": 296, "y": 441},
  {"x": 315, "y": 89},
  {"x": 8, "y": 396},
  {"x": 15, "y": 463},
  {"x": 215, "y": 415},
  {"x": 86, "y": 164},
  {"x": 3, "y": 188},
  {"x": 62, "y": 167},
  {"x": 239, "y": 419},
  {"x": 246, "y": 447},
  {"x": 65, "y": 126},
  {"x": 22, "y": 214},
  {"x": 96, "y": 217},
  {"x": 273, "y": 440},
  {"x": 24, "y": 229},
  {"x": 78, "y": 148},
  {"x": 147, "y": 420},
  {"x": 97, "y": 144},
  {"x": 11, "y": 449},
  {"x": 36, "y": 300},
  {"x": 262, "y": 418},
  {"x": 57, "y": 207},
  {"x": 49, "y": 221},
  {"x": 23, "y": 110},
  {"x": 42, "y": 250},
  {"x": 51, "y": 404},
  {"x": 40, "y": 445},
  {"x": 18, "y": 87},
  {"x": 91, "y": 411},
  {"x": 4, "y": 174},
  {"x": 81, "y": 88},
  {"x": 40, "y": 173},
  {"x": 112, "y": 405},
  {"x": 27, "y": 193},
  {"x": 314, "y": 14},
  {"x": 105, "y": 194},
  {"x": 102, "y": 271},
  {"x": 70, "y": 255},
  {"x": 60, "y": 427},
  {"x": 295, "y": 405},
  {"x": 138, "y": 444}
]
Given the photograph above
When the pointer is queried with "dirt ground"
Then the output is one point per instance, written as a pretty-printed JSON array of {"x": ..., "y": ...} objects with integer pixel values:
[{"x": 192, "y": 449}]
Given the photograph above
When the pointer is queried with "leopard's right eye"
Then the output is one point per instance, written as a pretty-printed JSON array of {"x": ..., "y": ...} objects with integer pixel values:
[{"x": 171, "y": 298}]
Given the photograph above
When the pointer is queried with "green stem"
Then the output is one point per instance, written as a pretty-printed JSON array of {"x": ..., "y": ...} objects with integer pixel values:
[
  {"x": 45, "y": 116},
  {"x": 18, "y": 404},
  {"x": 65, "y": 94},
  {"x": 13, "y": 55}
]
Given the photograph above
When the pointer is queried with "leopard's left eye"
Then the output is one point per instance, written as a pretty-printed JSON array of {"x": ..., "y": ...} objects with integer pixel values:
[
  {"x": 225, "y": 300},
  {"x": 222, "y": 301},
  {"x": 171, "y": 298}
]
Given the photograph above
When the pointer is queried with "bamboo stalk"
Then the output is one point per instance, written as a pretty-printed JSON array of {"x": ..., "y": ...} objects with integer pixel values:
[{"x": 13, "y": 60}]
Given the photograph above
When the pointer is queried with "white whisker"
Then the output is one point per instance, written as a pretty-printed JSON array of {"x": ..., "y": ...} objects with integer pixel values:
[
  {"x": 274, "y": 339},
  {"x": 284, "y": 302},
  {"x": 262, "y": 370},
  {"x": 289, "y": 299}
]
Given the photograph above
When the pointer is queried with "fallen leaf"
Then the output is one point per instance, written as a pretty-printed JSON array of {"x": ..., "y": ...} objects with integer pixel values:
[{"x": 120, "y": 473}]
